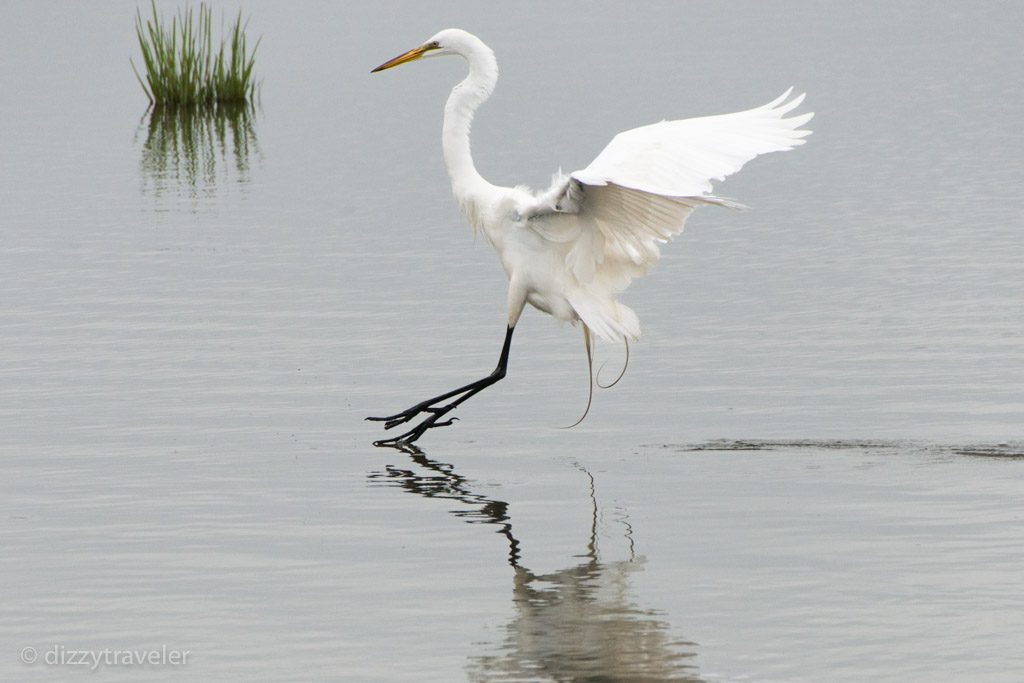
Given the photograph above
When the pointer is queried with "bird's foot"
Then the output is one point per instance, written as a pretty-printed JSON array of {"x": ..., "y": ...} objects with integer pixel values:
[
  {"x": 434, "y": 414},
  {"x": 416, "y": 432},
  {"x": 408, "y": 414},
  {"x": 439, "y": 406}
]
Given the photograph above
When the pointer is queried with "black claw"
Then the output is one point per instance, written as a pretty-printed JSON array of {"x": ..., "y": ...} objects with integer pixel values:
[{"x": 394, "y": 422}]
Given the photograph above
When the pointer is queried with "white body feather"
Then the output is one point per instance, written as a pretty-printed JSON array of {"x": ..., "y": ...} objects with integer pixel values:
[{"x": 570, "y": 250}]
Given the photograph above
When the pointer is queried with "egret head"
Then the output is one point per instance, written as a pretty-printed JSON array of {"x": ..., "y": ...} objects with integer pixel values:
[{"x": 451, "y": 41}]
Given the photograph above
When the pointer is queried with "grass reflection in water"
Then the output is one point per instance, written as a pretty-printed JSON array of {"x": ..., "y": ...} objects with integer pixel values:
[{"x": 191, "y": 150}]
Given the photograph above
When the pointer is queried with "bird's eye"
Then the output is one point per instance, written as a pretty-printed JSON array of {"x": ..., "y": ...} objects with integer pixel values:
[{"x": 435, "y": 45}]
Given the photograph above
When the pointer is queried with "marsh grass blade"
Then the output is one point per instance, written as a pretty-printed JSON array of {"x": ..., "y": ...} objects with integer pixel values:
[{"x": 184, "y": 66}]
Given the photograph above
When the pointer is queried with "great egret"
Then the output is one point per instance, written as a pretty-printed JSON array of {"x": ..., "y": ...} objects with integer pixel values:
[{"x": 569, "y": 250}]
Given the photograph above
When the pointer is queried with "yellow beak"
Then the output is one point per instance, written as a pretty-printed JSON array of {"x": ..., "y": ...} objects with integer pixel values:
[{"x": 409, "y": 56}]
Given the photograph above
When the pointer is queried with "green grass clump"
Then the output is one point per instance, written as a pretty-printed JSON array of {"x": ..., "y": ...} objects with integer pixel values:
[{"x": 182, "y": 67}]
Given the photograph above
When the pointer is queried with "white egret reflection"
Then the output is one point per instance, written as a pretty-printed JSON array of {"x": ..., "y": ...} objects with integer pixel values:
[{"x": 577, "y": 623}]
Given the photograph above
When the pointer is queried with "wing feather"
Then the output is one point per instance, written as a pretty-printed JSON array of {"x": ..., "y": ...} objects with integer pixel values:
[
  {"x": 681, "y": 158},
  {"x": 638, "y": 192}
]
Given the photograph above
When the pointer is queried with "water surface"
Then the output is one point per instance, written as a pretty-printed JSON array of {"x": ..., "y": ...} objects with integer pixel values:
[{"x": 812, "y": 471}]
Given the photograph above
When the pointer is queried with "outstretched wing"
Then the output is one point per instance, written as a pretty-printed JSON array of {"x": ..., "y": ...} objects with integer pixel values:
[
  {"x": 681, "y": 158},
  {"x": 640, "y": 189}
]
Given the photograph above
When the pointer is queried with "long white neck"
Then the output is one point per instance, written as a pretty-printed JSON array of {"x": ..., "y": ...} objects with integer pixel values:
[{"x": 458, "y": 118}]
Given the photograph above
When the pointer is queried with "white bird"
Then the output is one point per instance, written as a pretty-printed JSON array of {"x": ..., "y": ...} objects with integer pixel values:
[{"x": 571, "y": 249}]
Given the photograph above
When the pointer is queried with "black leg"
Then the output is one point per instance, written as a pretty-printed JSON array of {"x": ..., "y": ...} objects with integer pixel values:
[{"x": 436, "y": 412}]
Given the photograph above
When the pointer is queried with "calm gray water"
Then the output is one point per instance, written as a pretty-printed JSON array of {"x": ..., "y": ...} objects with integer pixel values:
[{"x": 813, "y": 470}]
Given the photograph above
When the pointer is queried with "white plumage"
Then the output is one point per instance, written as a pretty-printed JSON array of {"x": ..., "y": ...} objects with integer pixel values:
[
  {"x": 638, "y": 193},
  {"x": 571, "y": 249}
]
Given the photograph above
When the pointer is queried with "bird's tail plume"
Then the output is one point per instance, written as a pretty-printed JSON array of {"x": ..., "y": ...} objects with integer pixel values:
[
  {"x": 590, "y": 375},
  {"x": 622, "y": 374}
]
